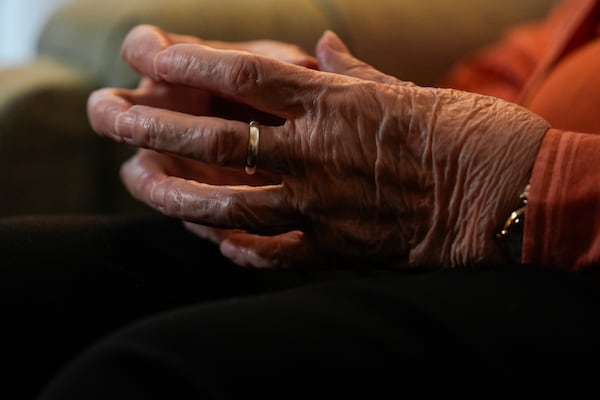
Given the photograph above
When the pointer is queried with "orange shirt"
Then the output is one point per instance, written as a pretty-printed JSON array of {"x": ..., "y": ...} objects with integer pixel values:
[{"x": 552, "y": 67}]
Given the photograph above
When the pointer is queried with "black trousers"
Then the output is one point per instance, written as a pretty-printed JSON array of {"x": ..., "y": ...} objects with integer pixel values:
[{"x": 135, "y": 307}]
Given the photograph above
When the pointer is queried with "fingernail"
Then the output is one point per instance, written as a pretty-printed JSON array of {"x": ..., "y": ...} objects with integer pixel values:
[
  {"x": 162, "y": 62},
  {"x": 124, "y": 125},
  {"x": 234, "y": 253},
  {"x": 228, "y": 249}
]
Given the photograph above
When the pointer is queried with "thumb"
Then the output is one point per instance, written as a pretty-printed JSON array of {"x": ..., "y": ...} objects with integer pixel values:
[
  {"x": 333, "y": 41},
  {"x": 286, "y": 250},
  {"x": 334, "y": 56}
]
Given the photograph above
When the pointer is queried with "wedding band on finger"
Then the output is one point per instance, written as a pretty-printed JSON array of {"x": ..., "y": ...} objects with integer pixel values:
[{"x": 252, "y": 154}]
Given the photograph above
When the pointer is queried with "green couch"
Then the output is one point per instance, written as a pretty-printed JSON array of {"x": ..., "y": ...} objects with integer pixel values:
[{"x": 51, "y": 161}]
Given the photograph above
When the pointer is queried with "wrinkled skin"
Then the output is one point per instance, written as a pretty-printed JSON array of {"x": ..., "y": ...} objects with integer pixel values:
[{"x": 353, "y": 164}]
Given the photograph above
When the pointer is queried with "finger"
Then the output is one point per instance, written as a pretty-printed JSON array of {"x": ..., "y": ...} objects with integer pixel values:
[
  {"x": 212, "y": 140},
  {"x": 262, "y": 82},
  {"x": 333, "y": 56},
  {"x": 215, "y": 235},
  {"x": 252, "y": 208},
  {"x": 141, "y": 44},
  {"x": 105, "y": 105},
  {"x": 251, "y": 250},
  {"x": 103, "y": 108},
  {"x": 286, "y": 250},
  {"x": 282, "y": 51}
]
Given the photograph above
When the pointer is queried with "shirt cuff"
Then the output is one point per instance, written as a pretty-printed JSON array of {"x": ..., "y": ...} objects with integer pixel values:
[{"x": 562, "y": 224}]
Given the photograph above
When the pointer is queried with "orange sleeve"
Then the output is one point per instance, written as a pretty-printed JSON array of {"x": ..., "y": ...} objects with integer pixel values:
[
  {"x": 509, "y": 66},
  {"x": 562, "y": 224},
  {"x": 502, "y": 69}
]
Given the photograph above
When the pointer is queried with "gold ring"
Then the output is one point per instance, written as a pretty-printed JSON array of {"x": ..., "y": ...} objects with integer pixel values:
[{"x": 252, "y": 155}]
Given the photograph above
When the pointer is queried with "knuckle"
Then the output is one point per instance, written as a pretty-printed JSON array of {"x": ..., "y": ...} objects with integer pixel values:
[
  {"x": 187, "y": 66},
  {"x": 244, "y": 74},
  {"x": 217, "y": 210},
  {"x": 147, "y": 128},
  {"x": 214, "y": 145},
  {"x": 234, "y": 209},
  {"x": 179, "y": 63}
]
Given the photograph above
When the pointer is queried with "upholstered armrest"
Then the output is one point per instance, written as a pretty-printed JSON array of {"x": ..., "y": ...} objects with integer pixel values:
[{"x": 50, "y": 160}]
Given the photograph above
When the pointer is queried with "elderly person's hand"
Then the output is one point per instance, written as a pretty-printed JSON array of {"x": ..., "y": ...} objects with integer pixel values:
[
  {"x": 139, "y": 47},
  {"x": 364, "y": 167}
]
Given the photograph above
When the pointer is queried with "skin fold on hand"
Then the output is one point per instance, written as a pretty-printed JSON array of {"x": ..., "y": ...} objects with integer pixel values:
[{"x": 357, "y": 165}]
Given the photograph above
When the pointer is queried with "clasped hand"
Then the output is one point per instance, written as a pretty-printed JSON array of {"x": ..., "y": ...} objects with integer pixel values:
[{"x": 353, "y": 164}]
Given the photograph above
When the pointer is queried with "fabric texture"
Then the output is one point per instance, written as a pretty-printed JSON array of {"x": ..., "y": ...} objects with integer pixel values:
[{"x": 91, "y": 311}]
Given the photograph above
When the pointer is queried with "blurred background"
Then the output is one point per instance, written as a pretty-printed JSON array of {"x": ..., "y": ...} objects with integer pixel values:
[{"x": 21, "y": 22}]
